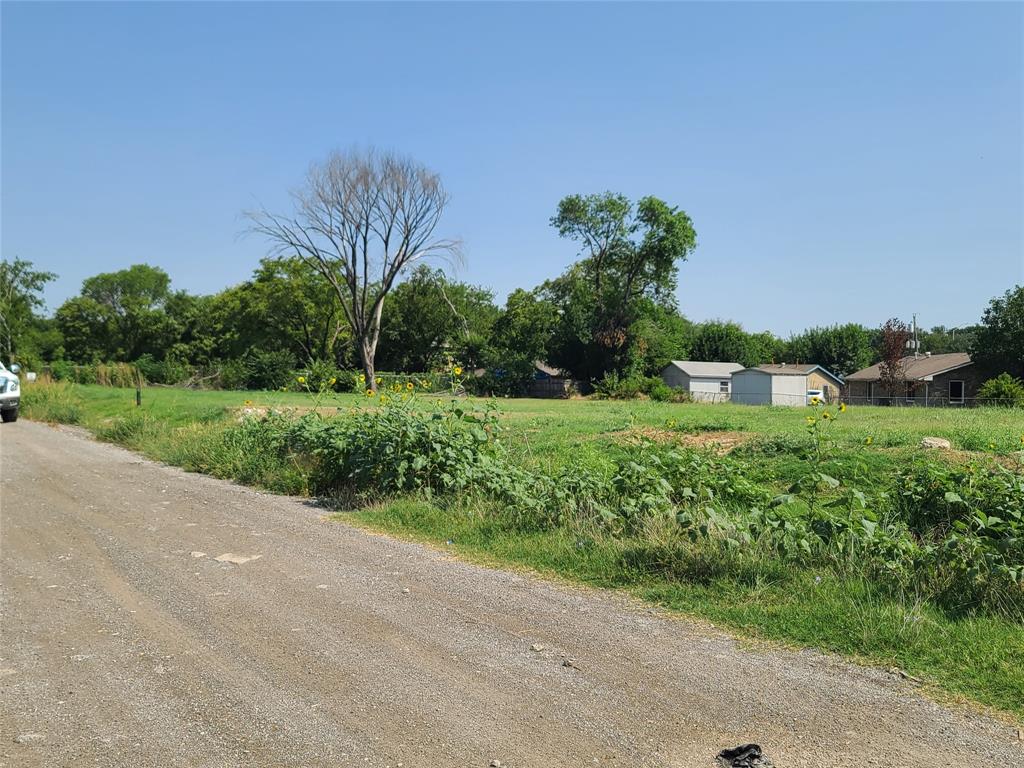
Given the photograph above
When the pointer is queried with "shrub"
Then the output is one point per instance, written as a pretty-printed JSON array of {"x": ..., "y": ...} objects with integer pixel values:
[
  {"x": 162, "y": 371},
  {"x": 258, "y": 369},
  {"x": 616, "y": 387},
  {"x": 1004, "y": 390}
]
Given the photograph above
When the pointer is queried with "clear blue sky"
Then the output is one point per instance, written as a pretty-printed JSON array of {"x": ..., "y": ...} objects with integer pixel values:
[{"x": 840, "y": 162}]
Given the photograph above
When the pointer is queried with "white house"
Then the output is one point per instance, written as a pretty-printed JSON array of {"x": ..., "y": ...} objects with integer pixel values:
[
  {"x": 783, "y": 384},
  {"x": 709, "y": 382}
]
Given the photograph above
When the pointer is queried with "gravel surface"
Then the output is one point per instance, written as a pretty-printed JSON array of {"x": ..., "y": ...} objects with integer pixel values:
[{"x": 152, "y": 617}]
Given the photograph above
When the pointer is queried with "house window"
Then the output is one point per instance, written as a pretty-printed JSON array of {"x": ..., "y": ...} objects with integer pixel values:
[
  {"x": 956, "y": 392},
  {"x": 723, "y": 387}
]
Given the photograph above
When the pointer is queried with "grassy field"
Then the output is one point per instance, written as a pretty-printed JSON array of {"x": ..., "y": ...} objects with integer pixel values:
[
  {"x": 550, "y": 427},
  {"x": 974, "y": 655}
]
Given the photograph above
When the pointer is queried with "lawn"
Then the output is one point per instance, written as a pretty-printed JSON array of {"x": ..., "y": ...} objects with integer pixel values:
[
  {"x": 551, "y": 427},
  {"x": 976, "y": 655}
]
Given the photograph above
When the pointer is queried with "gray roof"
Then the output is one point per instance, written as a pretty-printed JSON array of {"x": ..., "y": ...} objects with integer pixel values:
[
  {"x": 699, "y": 368},
  {"x": 919, "y": 368},
  {"x": 791, "y": 369}
]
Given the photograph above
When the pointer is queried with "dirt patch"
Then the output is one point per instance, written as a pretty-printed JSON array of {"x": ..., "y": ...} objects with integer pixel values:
[{"x": 720, "y": 441}]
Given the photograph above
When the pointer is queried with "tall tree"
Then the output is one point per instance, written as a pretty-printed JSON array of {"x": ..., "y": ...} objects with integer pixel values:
[
  {"x": 519, "y": 339},
  {"x": 21, "y": 286},
  {"x": 629, "y": 254},
  {"x": 132, "y": 302},
  {"x": 362, "y": 219},
  {"x": 892, "y": 349},
  {"x": 998, "y": 345}
]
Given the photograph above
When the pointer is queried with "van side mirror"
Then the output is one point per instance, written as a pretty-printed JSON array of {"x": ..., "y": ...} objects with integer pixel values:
[{"x": 15, "y": 368}]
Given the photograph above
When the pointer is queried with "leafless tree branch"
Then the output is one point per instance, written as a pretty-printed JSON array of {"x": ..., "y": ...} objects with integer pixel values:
[{"x": 361, "y": 219}]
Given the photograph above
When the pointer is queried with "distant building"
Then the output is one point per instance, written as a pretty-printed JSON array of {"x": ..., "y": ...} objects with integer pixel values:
[
  {"x": 784, "y": 384},
  {"x": 949, "y": 379},
  {"x": 550, "y": 382},
  {"x": 705, "y": 382}
]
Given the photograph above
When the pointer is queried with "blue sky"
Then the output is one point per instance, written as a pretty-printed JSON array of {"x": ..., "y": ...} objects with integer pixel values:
[{"x": 841, "y": 162}]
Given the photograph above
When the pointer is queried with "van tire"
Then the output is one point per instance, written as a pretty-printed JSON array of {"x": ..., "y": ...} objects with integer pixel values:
[{"x": 8, "y": 416}]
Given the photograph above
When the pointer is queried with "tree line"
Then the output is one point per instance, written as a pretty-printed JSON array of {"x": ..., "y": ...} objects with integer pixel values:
[{"x": 348, "y": 286}]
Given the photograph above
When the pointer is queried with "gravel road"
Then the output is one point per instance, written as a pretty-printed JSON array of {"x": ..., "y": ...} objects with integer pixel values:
[{"x": 125, "y": 642}]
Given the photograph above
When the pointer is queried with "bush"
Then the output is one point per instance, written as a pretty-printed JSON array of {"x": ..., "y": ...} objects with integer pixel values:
[
  {"x": 258, "y": 369},
  {"x": 615, "y": 387},
  {"x": 162, "y": 371},
  {"x": 1003, "y": 390}
]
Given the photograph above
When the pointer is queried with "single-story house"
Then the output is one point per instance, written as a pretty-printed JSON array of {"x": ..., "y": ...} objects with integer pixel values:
[
  {"x": 948, "y": 379},
  {"x": 783, "y": 384},
  {"x": 707, "y": 382}
]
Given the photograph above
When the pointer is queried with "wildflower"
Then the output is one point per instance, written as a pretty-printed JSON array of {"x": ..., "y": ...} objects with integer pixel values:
[
  {"x": 815, "y": 400},
  {"x": 842, "y": 407},
  {"x": 457, "y": 370},
  {"x": 333, "y": 381},
  {"x": 362, "y": 377},
  {"x": 826, "y": 415},
  {"x": 810, "y": 420},
  {"x": 301, "y": 379},
  {"x": 369, "y": 393},
  {"x": 378, "y": 380},
  {"x": 991, "y": 446},
  {"x": 247, "y": 402},
  {"x": 410, "y": 386},
  {"x": 868, "y": 440}
]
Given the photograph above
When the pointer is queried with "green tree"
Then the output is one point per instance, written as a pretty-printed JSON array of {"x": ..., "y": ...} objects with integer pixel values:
[
  {"x": 842, "y": 349},
  {"x": 940, "y": 339},
  {"x": 430, "y": 317},
  {"x": 718, "y": 341},
  {"x": 998, "y": 345},
  {"x": 630, "y": 258},
  {"x": 87, "y": 329},
  {"x": 129, "y": 306},
  {"x": 519, "y": 338},
  {"x": 659, "y": 336},
  {"x": 21, "y": 286}
]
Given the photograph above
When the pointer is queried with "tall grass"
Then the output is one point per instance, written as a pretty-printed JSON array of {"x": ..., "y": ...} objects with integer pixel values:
[{"x": 55, "y": 402}]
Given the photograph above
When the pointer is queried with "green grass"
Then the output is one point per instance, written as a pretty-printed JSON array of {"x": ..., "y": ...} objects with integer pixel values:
[{"x": 978, "y": 658}]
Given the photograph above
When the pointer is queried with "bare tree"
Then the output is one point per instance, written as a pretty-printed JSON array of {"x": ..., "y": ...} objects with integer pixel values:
[{"x": 361, "y": 219}]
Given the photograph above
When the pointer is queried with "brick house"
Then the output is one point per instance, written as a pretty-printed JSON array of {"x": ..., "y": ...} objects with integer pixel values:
[{"x": 949, "y": 379}]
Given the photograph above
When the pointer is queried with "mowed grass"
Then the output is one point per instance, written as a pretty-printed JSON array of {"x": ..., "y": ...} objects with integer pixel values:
[
  {"x": 554, "y": 428},
  {"x": 977, "y": 658}
]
